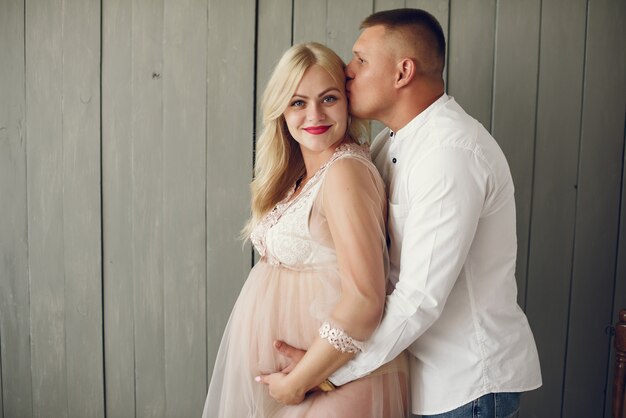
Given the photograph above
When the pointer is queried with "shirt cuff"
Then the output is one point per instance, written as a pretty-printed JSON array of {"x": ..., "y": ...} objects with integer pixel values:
[{"x": 342, "y": 376}]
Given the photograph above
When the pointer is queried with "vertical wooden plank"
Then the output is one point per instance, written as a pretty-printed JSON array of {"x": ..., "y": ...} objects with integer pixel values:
[
  {"x": 46, "y": 248},
  {"x": 62, "y": 79},
  {"x": 81, "y": 208},
  {"x": 230, "y": 116},
  {"x": 379, "y": 5},
  {"x": 619, "y": 293},
  {"x": 184, "y": 188},
  {"x": 309, "y": 21},
  {"x": 514, "y": 108},
  {"x": 554, "y": 194},
  {"x": 342, "y": 24},
  {"x": 273, "y": 39},
  {"x": 16, "y": 397},
  {"x": 117, "y": 196},
  {"x": 147, "y": 207},
  {"x": 597, "y": 213},
  {"x": 597, "y": 209},
  {"x": 1, "y": 391},
  {"x": 470, "y": 56},
  {"x": 117, "y": 199}
]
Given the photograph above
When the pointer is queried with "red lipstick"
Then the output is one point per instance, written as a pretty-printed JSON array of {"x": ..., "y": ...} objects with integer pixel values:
[{"x": 317, "y": 130}]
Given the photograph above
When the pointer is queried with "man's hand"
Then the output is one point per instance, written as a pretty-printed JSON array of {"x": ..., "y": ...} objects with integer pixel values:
[{"x": 295, "y": 354}]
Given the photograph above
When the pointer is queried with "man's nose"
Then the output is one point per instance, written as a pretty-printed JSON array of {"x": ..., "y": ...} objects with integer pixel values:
[{"x": 348, "y": 71}]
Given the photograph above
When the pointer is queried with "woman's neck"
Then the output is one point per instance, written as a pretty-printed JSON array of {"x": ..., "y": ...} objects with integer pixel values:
[{"x": 314, "y": 161}]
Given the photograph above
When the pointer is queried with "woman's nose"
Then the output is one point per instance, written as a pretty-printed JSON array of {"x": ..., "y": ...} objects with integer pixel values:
[{"x": 315, "y": 112}]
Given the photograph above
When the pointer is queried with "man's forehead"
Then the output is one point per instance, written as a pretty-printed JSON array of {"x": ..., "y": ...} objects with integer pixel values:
[{"x": 368, "y": 39}]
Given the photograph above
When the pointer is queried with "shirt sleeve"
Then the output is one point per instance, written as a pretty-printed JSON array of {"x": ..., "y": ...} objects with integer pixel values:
[{"x": 446, "y": 193}]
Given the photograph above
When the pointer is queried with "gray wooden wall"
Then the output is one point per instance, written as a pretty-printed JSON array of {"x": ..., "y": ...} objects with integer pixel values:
[{"x": 126, "y": 146}]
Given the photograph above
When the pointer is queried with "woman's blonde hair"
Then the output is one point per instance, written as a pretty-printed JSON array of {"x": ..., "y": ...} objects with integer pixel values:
[{"x": 279, "y": 160}]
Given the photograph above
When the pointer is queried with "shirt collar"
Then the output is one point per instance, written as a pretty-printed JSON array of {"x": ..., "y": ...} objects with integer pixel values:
[{"x": 410, "y": 128}]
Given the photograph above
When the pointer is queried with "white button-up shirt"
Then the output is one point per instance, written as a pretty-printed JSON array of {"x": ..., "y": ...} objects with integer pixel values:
[{"x": 452, "y": 253}]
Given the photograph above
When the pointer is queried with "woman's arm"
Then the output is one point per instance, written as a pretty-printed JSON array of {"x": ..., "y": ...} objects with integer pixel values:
[{"x": 353, "y": 203}]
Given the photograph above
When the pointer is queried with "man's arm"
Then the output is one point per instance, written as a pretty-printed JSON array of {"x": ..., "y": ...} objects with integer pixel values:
[{"x": 447, "y": 196}]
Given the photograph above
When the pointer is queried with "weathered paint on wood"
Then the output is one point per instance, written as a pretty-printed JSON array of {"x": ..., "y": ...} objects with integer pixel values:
[
  {"x": 147, "y": 206},
  {"x": 309, "y": 20},
  {"x": 342, "y": 25},
  {"x": 471, "y": 44},
  {"x": 81, "y": 208},
  {"x": 229, "y": 119},
  {"x": 62, "y": 98},
  {"x": 599, "y": 187},
  {"x": 45, "y": 207},
  {"x": 554, "y": 194},
  {"x": 184, "y": 196},
  {"x": 514, "y": 110},
  {"x": 178, "y": 100},
  {"x": 1, "y": 391},
  {"x": 273, "y": 39},
  {"x": 15, "y": 366},
  {"x": 117, "y": 204}
]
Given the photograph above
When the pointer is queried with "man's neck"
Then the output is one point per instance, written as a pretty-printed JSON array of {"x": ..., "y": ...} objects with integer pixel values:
[{"x": 406, "y": 110}]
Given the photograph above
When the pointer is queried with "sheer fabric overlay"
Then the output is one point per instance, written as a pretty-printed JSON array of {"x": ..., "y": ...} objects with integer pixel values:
[{"x": 312, "y": 249}]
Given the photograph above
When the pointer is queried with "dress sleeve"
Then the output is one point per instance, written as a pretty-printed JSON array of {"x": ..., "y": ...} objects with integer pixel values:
[
  {"x": 353, "y": 202},
  {"x": 446, "y": 197}
]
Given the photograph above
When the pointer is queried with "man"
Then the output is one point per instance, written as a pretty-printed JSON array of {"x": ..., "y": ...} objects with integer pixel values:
[{"x": 451, "y": 228}]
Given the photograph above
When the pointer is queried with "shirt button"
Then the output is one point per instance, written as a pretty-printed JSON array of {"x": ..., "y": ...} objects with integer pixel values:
[
  {"x": 391, "y": 134},
  {"x": 393, "y": 160}
]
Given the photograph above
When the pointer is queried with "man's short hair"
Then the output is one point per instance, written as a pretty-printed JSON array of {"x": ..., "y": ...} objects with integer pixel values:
[{"x": 419, "y": 28}]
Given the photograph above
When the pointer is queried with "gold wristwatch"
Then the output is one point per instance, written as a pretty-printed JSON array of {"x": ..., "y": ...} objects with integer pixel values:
[{"x": 326, "y": 386}]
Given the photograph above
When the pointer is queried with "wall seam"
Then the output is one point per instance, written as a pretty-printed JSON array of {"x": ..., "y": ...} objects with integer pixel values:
[
  {"x": 30, "y": 329},
  {"x": 573, "y": 249},
  {"x": 254, "y": 96},
  {"x": 102, "y": 260},
  {"x": 493, "y": 68}
]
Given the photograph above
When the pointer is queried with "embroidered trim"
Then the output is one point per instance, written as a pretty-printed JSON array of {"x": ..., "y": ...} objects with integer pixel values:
[
  {"x": 270, "y": 219},
  {"x": 339, "y": 339}
]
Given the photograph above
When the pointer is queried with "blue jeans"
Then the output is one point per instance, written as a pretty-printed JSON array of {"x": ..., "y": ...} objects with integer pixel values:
[{"x": 492, "y": 405}]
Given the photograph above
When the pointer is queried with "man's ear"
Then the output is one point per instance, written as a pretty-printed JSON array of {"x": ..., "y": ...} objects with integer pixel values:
[{"x": 405, "y": 72}]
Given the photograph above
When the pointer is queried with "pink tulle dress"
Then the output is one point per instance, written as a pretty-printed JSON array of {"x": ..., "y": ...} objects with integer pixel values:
[{"x": 293, "y": 289}]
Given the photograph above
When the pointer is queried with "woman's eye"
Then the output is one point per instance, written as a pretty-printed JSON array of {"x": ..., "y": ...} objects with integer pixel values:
[
  {"x": 329, "y": 99},
  {"x": 297, "y": 103}
]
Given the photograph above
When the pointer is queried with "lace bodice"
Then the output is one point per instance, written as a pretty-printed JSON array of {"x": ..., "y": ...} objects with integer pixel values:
[{"x": 283, "y": 235}]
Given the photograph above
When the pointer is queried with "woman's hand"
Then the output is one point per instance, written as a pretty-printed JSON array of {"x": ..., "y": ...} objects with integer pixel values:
[{"x": 281, "y": 388}]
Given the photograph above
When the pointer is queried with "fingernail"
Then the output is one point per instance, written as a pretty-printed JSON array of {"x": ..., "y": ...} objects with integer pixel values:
[{"x": 257, "y": 379}]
